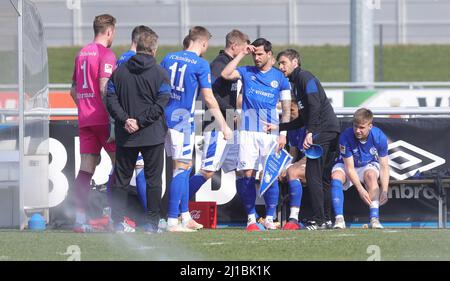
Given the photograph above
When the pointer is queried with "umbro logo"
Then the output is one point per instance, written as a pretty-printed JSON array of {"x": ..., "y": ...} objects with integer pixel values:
[{"x": 406, "y": 160}]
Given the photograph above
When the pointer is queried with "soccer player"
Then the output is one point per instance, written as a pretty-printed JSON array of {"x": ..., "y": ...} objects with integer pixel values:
[
  {"x": 363, "y": 159},
  {"x": 317, "y": 115},
  {"x": 263, "y": 87},
  {"x": 295, "y": 172},
  {"x": 94, "y": 65},
  {"x": 217, "y": 153},
  {"x": 189, "y": 74}
]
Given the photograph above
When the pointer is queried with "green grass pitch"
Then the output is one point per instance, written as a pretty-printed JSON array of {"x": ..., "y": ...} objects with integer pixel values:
[
  {"x": 328, "y": 63},
  {"x": 231, "y": 244}
]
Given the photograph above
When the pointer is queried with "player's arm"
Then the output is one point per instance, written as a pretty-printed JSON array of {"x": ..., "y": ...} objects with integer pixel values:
[
  {"x": 213, "y": 106},
  {"x": 353, "y": 176},
  {"x": 384, "y": 179},
  {"x": 285, "y": 115},
  {"x": 73, "y": 92},
  {"x": 103, "y": 86},
  {"x": 230, "y": 72}
]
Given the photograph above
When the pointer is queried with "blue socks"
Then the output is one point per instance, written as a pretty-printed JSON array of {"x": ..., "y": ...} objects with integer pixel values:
[
  {"x": 337, "y": 197},
  {"x": 176, "y": 191},
  {"x": 296, "y": 192},
  {"x": 195, "y": 182},
  {"x": 245, "y": 187},
  {"x": 271, "y": 199},
  {"x": 141, "y": 187},
  {"x": 374, "y": 209},
  {"x": 185, "y": 193}
]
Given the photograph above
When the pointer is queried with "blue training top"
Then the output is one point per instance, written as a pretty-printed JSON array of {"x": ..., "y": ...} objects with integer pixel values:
[
  {"x": 261, "y": 93},
  {"x": 363, "y": 152},
  {"x": 188, "y": 74}
]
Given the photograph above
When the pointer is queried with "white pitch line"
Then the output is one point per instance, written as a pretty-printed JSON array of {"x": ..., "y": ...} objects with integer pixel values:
[{"x": 214, "y": 243}]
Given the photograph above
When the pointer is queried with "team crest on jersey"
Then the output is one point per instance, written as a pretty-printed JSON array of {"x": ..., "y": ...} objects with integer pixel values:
[
  {"x": 342, "y": 148},
  {"x": 373, "y": 151},
  {"x": 274, "y": 84},
  {"x": 108, "y": 68}
]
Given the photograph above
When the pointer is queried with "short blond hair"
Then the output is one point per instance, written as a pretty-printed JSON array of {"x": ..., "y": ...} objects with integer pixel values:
[
  {"x": 235, "y": 35},
  {"x": 103, "y": 22},
  {"x": 199, "y": 32},
  {"x": 362, "y": 115}
]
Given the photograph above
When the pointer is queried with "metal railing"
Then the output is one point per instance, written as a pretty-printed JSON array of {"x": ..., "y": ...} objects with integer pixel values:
[{"x": 341, "y": 85}]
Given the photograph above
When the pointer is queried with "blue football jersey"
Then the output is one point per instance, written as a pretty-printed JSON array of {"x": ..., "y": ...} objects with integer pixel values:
[
  {"x": 261, "y": 93},
  {"x": 123, "y": 59},
  {"x": 188, "y": 74},
  {"x": 374, "y": 147}
]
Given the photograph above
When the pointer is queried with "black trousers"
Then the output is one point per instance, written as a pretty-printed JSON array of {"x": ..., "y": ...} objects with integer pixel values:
[
  {"x": 124, "y": 167},
  {"x": 318, "y": 176}
]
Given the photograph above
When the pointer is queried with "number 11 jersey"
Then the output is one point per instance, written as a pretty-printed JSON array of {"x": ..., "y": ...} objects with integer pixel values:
[{"x": 188, "y": 74}]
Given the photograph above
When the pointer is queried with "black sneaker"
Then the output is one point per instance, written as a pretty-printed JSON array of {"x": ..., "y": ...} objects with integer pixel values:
[{"x": 312, "y": 225}]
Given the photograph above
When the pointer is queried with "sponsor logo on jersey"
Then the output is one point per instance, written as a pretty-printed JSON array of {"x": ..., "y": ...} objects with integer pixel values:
[
  {"x": 108, "y": 68},
  {"x": 373, "y": 151},
  {"x": 342, "y": 148}
]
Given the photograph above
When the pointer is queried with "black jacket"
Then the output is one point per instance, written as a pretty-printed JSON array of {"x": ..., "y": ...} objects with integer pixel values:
[
  {"x": 141, "y": 91},
  {"x": 225, "y": 91},
  {"x": 316, "y": 112}
]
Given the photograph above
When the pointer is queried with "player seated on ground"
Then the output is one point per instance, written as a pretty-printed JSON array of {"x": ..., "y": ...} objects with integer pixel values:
[
  {"x": 294, "y": 174},
  {"x": 363, "y": 159}
]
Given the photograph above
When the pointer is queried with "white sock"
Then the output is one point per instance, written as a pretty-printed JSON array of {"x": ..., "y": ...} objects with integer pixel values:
[
  {"x": 251, "y": 219},
  {"x": 172, "y": 221},
  {"x": 269, "y": 218},
  {"x": 339, "y": 217},
  {"x": 294, "y": 213},
  {"x": 186, "y": 216},
  {"x": 375, "y": 204}
]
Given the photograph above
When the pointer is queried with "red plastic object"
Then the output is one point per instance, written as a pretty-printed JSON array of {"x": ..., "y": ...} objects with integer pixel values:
[{"x": 204, "y": 213}]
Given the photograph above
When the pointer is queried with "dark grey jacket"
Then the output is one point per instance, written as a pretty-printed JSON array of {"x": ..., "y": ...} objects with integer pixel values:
[{"x": 141, "y": 91}]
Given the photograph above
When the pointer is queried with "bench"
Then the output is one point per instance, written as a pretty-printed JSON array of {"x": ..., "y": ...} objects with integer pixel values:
[{"x": 441, "y": 185}]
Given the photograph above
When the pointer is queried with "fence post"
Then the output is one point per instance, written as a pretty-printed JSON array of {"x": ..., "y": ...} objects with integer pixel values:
[{"x": 380, "y": 54}]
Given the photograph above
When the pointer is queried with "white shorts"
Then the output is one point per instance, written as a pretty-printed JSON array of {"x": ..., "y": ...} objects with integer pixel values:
[
  {"x": 218, "y": 153},
  {"x": 254, "y": 147},
  {"x": 359, "y": 170},
  {"x": 178, "y": 146}
]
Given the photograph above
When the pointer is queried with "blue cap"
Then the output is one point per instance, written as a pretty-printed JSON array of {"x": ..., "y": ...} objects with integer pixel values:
[
  {"x": 36, "y": 222},
  {"x": 314, "y": 151}
]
